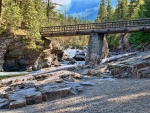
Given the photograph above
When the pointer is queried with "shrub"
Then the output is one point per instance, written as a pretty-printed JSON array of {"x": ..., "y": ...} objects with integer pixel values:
[
  {"x": 139, "y": 37},
  {"x": 112, "y": 41}
]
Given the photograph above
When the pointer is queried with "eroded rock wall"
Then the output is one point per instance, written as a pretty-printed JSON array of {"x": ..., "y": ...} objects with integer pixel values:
[{"x": 14, "y": 55}]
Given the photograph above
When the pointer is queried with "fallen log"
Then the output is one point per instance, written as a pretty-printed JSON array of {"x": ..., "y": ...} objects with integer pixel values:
[{"x": 116, "y": 57}]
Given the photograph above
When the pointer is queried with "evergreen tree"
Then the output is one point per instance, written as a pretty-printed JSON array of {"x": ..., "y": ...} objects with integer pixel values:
[
  {"x": 138, "y": 9},
  {"x": 147, "y": 8},
  {"x": 51, "y": 13},
  {"x": 124, "y": 9},
  {"x": 70, "y": 20},
  {"x": 41, "y": 10},
  {"x": 11, "y": 13},
  {"x": 117, "y": 12},
  {"x": 30, "y": 17},
  {"x": 141, "y": 12},
  {"x": 109, "y": 10},
  {"x": 121, "y": 11},
  {"x": 102, "y": 13}
]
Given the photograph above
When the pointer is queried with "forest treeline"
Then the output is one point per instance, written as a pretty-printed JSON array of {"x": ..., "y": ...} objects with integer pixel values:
[
  {"x": 125, "y": 10},
  {"x": 31, "y": 15}
]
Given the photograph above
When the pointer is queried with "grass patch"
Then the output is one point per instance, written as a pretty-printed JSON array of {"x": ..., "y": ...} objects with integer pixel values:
[{"x": 10, "y": 76}]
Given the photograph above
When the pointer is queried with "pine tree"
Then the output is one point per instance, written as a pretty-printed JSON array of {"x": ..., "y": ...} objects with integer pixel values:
[
  {"x": 132, "y": 5},
  {"x": 51, "y": 13},
  {"x": 138, "y": 9},
  {"x": 11, "y": 13},
  {"x": 147, "y": 7},
  {"x": 30, "y": 17},
  {"x": 109, "y": 10},
  {"x": 102, "y": 13},
  {"x": 117, "y": 14},
  {"x": 124, "y": 9},
  {"x": 141, "y": 12},
  {"x": 41, "y": 10},
  {"x": 121, "y": 11}
]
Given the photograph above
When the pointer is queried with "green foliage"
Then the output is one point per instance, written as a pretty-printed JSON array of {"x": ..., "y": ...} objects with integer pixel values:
[
  {"x": 33, "y": 37},
  {"x": 102, "y": 13},
  {"x": 2, "y": 25},
  {"x": 32, "y": 13},
  {"x": 41, "y": 11},
  {"x": 139, "y": 37},
  {"x": 147, "y": 8},
  {"x": 73, "y": 42},
  {"x": 10, "y": 76},
  {"x": 11, "y": 13},
  {"x": 112, "y": 41},
  {"x": 121, "y": 11},
  {"x": 109, "y": 10}
]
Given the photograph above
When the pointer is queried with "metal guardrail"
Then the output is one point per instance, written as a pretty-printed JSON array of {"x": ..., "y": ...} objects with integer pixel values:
[{"x": 95, "y": 26}]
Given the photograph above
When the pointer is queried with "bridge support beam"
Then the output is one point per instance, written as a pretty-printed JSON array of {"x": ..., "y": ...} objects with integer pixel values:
[{"x": 95, "y": 45}]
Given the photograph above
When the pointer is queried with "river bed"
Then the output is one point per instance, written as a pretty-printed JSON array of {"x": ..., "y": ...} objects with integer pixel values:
[{"x": 69, "y": 51}]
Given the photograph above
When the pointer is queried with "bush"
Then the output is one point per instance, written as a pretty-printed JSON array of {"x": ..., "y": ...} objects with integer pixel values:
[
  {"x": 2, "y": 25},
  {"x": 112, "y": 41},
  {"x": 139, "y": 37}
]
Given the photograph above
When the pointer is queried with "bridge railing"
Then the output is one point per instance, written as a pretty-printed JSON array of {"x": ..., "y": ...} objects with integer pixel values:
[{"x": 96, "y": 26}]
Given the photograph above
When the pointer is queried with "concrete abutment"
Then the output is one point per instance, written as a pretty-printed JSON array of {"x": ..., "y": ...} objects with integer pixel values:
[{"x": 95, "y": 45}]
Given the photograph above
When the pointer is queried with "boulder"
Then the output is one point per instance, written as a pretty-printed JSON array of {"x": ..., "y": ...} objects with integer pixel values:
[
  {"x": 65, "y": 56},
  {"x": 79, "y": 57},
  {"x": 72, "y": 61},
  {"x": 105, "y": 49}
]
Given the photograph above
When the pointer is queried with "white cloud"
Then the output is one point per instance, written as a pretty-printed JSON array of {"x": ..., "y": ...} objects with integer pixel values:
[
  {"x": 66, "y": 3},
  {"x": 85, "y": 13}
]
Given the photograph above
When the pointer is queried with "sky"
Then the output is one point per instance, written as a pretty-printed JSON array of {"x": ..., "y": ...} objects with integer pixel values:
[{"x": 81, "y": 8}]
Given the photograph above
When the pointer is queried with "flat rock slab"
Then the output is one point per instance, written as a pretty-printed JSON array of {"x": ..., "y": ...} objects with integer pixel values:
[
  {"x": 55, "y": 92},
  {"x": 87, "y": 83},
  {"x": 75, "y": 87},
  {"x": 17, "y": 103},
  {"x": 14, "y": 80},
  {"x": 4, "y": 103},
  {"x": 26, "y": 96}
]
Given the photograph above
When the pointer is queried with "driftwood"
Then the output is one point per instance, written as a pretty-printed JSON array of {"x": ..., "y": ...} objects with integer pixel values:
[{"x": 116, "y": 57}]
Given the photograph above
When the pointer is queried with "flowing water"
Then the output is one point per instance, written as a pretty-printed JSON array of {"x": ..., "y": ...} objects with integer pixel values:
[{"x": 71, "y": 53}]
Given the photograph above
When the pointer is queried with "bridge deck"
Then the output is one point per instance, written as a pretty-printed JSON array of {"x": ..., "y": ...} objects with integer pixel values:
[{"x": 125, "y": 26}]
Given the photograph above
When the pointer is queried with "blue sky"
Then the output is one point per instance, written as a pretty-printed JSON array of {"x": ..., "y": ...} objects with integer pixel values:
[{"x": 81, "y": 8}]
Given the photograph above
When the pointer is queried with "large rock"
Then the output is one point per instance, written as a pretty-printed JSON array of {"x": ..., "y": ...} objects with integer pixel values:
[
  {"x": 135, "y": 67},
  {"x": 55, "y": 92},
  {"x": 14, "y": 55},
  {"x": 123, "y": 41},
  {"x": 4, "y": 103},
  {"x": 105, "y": 48},
  {"x": 24, "y": 97},
  {"x": 16, "y": 102},
  {"x": 79, "y": 57}
]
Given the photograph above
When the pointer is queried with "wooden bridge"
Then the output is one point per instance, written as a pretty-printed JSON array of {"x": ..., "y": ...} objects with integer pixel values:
[{"x": 123, "y": 26}]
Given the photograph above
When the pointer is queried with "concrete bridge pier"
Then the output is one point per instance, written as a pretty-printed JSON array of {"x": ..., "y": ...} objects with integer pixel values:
[{"x": 95, "y": 45}]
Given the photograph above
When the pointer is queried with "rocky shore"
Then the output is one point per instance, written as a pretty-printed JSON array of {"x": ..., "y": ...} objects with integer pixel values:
[{"x": 96, "y": 87}]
